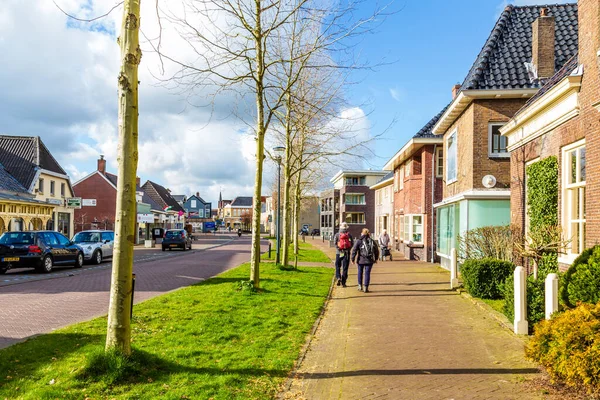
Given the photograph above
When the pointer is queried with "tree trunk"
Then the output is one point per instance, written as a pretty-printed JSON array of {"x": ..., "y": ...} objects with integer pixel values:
[
  {"x": 287, "y": 184},
  {"x": 297, "y": 217},
  {"x": 260, "y": 147},
  {"x": 118, "y": 334}
]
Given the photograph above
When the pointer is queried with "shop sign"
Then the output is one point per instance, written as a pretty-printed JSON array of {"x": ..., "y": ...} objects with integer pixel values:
[
  {"x": 145, "y": 218},
  {"x": 74, "y": 202},
  {"x": 56, "y": 202},
  {"x": 88, "y": 202}
]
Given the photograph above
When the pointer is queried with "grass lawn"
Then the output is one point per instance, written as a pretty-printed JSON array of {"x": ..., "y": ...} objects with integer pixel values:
[
  {"x": 208, "y": 341},
  {"x": 306, "y": 253},
  {"x": 495, "y": 304}
]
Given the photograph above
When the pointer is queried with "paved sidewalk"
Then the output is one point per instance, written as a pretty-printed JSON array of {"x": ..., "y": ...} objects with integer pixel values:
[{"x": 410, "y": 338}]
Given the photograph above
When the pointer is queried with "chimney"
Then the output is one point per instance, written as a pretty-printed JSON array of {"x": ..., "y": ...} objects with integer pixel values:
[
  {"x": 455, "y": 90},
  {"x": 102, "y": 165},
  {"x": 542, "y": 45},
  {"x": 197, "y": 194},
  {"x": 137, "y": 181}
]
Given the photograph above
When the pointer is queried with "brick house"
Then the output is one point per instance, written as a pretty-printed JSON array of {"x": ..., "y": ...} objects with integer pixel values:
[
  {"x": 417, "y": 185},
  {"x": 562, "y": 120},
  {"x": 384, "y": 205},
  {"x": 356, "y": 199},
  {"x": 527, "y": 45},
  {"x": 330, "y": 212},
  {"x": 173, "y": 216}
]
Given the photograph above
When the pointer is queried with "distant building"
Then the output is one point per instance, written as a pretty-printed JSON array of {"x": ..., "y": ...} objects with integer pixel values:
[
  {"x": 330, "y": 212},
  {"x": 236, "y": 213},
  {"x": 198, "y": 212}
]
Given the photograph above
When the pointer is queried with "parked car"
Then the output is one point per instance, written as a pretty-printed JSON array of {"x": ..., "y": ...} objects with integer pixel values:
[
  {"x": 38, "y": 249},
  {"x": 303, "y": 231},
  {"x": 96, "y": 245},
  {"x": 176, "y": 238},
  {"x": 315, "y": 232}
]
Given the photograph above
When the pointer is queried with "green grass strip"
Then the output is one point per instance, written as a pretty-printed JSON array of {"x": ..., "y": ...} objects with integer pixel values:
[
  {"x": 213, "y": 340},
  {"x": 306, "y": 253}
]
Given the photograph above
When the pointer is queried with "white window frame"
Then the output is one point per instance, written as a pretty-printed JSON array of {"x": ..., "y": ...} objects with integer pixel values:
[
  {"x": 194, "y": 203},
  {"x": 450, "y": 180},
  {"x": 566, "y": 196},
  {"x": 396, "y": 180},
  {"x": 439, "y": 162},
  {"x": 407, "y": 228},
  {"x": 355, "y": 223},
  {"x": 491, "y": 153},
  {"x": 407, "y": 168},
  {"x": 401, "y": 178}
]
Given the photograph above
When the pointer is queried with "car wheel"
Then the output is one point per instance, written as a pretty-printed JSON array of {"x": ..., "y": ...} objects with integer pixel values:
[
  {"x": 79, "y": 260},
  {"x": 47, "y": 264},
  {"x": 97, "y": 257},
  {"x": 163, "y": 249}
]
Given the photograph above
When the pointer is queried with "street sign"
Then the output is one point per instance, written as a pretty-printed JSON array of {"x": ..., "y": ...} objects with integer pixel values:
[
  {"x": 145, "y": 218},
  {"x": 88, "y": 202},
  {"x": 74, "y": 202}
]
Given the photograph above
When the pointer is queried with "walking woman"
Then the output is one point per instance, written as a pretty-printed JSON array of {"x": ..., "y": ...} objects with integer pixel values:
[{"x": 365, "y": 253}]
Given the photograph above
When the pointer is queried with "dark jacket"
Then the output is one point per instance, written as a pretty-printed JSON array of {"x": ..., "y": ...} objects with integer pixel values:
[
  {"x": 356, "y": 251},
  {"x": 336, "y": 239}
]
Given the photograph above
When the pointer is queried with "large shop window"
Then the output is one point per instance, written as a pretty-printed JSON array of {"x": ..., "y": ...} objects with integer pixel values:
[
  {"x": 573, "y": 194},
  {"x": 412, "y": 228},
  {"x": 355, "y": 198},
  {"x": 497, "y": 142},
  {"x": 355, "y": 218},
  {"x": 451, "y": 153}
]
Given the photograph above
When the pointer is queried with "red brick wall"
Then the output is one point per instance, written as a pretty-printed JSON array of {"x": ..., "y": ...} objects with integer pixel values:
[
  {"x": 95, "y": 187},
  {"x": 368, "y": 209}
]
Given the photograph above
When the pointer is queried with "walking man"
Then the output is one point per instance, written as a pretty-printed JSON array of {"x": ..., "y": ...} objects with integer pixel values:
[
  {"x": 365, "y": 252},
  {"x": 343, "y": 244}
]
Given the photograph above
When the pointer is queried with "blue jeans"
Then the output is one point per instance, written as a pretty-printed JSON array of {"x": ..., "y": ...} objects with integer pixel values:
[
  {"x": 341, "y": 266},
  {"x": 366, "y": 268}
]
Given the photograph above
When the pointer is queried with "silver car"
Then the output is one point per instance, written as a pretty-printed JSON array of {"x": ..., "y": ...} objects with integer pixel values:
[{"x": 96, "y": 245}]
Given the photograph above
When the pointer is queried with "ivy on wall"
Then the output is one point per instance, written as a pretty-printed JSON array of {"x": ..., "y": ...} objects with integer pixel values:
[{"x": 542, "y": 193}]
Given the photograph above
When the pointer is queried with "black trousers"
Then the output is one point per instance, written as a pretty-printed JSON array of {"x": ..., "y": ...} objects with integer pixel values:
[{"x": 341, "y": 266}]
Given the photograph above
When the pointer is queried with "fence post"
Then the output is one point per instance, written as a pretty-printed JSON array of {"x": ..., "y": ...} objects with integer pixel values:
[
  {"x": 453, "y": 269},
  {"x": 551, "y": 295},
  {"x": 269, "y": 249},
  {"x": 520, "y": 325}
]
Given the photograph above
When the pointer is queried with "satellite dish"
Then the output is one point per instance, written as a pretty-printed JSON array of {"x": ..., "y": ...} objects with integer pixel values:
[{"x": 489, "y": 181}]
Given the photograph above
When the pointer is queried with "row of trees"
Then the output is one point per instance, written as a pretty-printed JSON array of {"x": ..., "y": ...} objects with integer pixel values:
[{"x": 291, "y": 59}]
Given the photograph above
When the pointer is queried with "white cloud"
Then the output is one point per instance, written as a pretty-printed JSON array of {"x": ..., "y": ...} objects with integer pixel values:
[
  {"x": 395, "y": 93},
  {"x": 59, "y": 81}
]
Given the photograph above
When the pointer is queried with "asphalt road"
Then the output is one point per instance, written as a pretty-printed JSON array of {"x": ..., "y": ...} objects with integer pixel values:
[{"x": 35, "y": 303}]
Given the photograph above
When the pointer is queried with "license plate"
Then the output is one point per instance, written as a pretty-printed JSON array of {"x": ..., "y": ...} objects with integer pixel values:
[
  {"x": 173, "y": 245},
  {"x": 10, "y": 259}
]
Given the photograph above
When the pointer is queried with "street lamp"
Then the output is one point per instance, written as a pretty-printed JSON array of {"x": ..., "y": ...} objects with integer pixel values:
[{"x": 278, "y": 151}]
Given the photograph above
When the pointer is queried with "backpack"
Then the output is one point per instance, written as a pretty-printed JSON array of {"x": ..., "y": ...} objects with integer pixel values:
[
  {"x": 344, "y": 241},
  {"x": 366, "y": 249}
]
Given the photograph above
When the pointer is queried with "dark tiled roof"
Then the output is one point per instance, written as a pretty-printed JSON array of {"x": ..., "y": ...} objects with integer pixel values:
[
  {"x": 565, "y": 71},
  {"x": 386, "y": 177},
  {"x": 22, "y": 155},
  {"x": 426, "y": 131},
  {"x": 9, "y": 183},
  {"x": 161, "y": 196},
  {"x": 241, "y": 201},
  {"x": 148, "y": 200},
  {"x": 501, "y": 62},
  {"x": 179, "y": 197}
]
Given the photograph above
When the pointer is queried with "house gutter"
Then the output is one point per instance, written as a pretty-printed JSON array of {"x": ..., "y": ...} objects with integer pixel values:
[{"x": 432, "y": 201}]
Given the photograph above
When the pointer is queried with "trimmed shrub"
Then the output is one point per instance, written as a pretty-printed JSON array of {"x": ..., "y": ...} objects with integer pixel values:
[
  {"x": 484, "y": 278},
  {"x": 581, "y": 282},
  {"x": 488, "y": 242},
  {"x": 535, "y": 299},
  {"x": 568, "y": 346}
]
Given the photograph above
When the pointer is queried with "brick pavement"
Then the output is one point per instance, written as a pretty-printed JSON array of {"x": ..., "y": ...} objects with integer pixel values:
[
  {"x": 410, "y": 338},
  {"x": 34, "y": 307}
]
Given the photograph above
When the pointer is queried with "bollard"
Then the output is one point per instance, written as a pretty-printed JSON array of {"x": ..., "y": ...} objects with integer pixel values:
[
  {"x": 303, "y": 238},
  {"x": 132, "y": 293},
  {"x": 269, "y": 249},
  {"x": 453, "y": 269},
  {"x": 551, "y": 295},
  {"x": 520, "y": 325},
  {"x": 323, "y": 237}
]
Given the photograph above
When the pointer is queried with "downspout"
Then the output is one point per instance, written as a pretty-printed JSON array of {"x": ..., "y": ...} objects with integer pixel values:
[{"x": 432, "y": 202}]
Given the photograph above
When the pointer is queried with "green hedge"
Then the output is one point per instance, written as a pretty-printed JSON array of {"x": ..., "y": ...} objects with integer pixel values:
[
  {"x": 542, "y": 193},
  {"x": 568, "y": 346},
  {"x": 484, "y": 278},
  {"x": 581, "y": 282}
]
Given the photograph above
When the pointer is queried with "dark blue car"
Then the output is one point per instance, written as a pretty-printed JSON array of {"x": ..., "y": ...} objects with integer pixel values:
[{"x": 41, "y": 250}]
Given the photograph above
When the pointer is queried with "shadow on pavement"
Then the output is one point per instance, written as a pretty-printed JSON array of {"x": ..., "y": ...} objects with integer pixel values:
[{"x": 400, "y": 372}]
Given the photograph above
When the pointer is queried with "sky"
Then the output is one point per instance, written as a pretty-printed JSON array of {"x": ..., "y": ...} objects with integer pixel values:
[{"x": 58, "y": 81}]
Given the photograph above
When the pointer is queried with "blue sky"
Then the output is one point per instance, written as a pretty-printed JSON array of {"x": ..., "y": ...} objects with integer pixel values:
[{"x": 63, "y": 88}]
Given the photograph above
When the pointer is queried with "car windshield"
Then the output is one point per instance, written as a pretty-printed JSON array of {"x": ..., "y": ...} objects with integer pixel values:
[
  {"x": 86, "y": 237},
  {"x": 173, "y": 234},
  {"x": 17, "y": 238}
]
